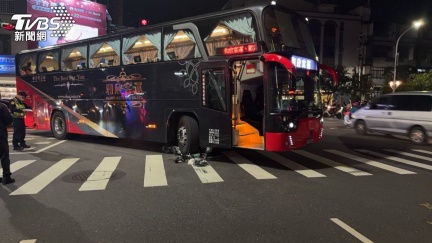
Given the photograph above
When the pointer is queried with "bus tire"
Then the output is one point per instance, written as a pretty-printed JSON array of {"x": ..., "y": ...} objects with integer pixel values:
[
  {"x": 187, "y": 135},
  {"x": 58, "y": 125}
]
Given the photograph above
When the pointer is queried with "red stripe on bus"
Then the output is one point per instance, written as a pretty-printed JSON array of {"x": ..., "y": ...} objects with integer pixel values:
[{"x": 282, "y": 60}]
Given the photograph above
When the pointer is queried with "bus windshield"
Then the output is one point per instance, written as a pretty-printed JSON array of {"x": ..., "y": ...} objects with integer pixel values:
[
  {"x": 287, "y": 32},
  {"x": 292, "y": 93}
]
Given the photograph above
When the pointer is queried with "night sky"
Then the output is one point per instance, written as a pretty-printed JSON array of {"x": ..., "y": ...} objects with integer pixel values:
[{"x": 399, "y": 11}]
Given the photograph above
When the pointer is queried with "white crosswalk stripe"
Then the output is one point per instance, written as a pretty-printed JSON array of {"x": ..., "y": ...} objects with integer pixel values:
[
  {"x": 409, "y": 154},
  {"x": 98, "y": 180},
  {"x": 292, "y": 165},
  {"x": 371, "y": 162},
  {"x": 248, "y": 166},
  {"x": 422, "y": 151},
  {"x": 18, "y": 165},
  {"x": 42, "y": 180},
  {"x": 207, "y": 174},
  {"x": 331, "y": 163},
  {"x": 401, "y": 160},
  {"x": 154, "y": 173}
]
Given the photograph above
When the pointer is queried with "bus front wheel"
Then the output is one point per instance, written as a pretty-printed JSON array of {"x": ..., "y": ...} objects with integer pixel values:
[
  {"x": 58, "y": 125},
  {"x": 187, "y": 135}
]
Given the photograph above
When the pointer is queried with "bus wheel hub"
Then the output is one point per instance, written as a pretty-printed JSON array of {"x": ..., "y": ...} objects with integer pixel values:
[{"x": 182, "y": 135}]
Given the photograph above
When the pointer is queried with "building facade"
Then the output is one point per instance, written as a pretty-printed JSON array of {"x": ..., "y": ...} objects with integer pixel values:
[{"x": 353, "y": 40}]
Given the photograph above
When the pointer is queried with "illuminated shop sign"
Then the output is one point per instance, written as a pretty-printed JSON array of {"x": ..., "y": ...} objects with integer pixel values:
[
  {"x": 304, "y": 63},
  {"x": 59, "y": 21},
  {"x": 7, "y": 64}
]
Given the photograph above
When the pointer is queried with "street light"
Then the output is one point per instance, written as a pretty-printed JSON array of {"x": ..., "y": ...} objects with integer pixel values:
[
  {"x": 416, "y": 25},
  {"x": 394, "y": 85}
]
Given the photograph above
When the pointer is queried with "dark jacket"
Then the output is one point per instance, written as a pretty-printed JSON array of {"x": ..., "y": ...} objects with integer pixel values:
[{"x": 5, "y": 120}]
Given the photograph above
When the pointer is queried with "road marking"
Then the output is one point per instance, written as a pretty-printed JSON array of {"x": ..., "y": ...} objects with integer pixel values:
[
  {"x": 207, "y": 174},
  {"x": 42, "y": 180},
  {"x": 100, "y": 177},
  {"x": 331, "y": 163},
  {"x": 28, "y": 241},
  {"x": 18, "y": 165},
  {"x": 405, "y": 161},
  {"x": 154, "y": 173},
  {"x": 42, "y": 143},
  {"x": 292, "y": 165},
  {"x": 248, "y": 166},
  {"x": 371, "y": 162},
  {"x": 409, "y": 154},
  {"x": 422, "y": 151},
  {"x": 40, "y": 150},
  {"x": 350, "y": 230}
]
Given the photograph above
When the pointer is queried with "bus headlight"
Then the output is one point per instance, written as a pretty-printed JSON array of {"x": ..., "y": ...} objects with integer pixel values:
[{"x": 288, "y": 124}]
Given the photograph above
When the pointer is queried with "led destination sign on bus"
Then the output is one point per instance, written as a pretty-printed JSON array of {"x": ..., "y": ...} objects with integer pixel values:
[
  {"x": 304, "y": 63},
  {"x": 238, "y": 49}
]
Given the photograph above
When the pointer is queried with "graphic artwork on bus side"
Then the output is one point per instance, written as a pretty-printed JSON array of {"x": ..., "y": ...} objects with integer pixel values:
[
  {"x": 191, "y": 73},
  {"x": 122, "y": 86}
]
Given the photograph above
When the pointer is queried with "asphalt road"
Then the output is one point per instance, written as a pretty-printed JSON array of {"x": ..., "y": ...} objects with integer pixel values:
[{"x": 346, "y": 188}]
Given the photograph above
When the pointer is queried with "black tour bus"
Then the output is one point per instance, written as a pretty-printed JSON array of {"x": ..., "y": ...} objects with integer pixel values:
[{"x": 244, "y": 77}]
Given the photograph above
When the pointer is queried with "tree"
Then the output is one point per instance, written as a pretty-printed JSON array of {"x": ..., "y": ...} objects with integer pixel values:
[
  {"x": 342, "y": 87},
  {"x": 418, "y": 82}
]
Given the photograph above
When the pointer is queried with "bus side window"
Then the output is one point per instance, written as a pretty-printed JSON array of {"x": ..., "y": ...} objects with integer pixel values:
[
  {"x": 49, "y": 61},
  {"x": 27, "y": 64},
  {"x": 105, "y": 54},
  {"x": 231, "y": 30},
  {"x": 74, "y": 58},
  {"x": 181, "y": 45},
  {"x": 140, "y": 48}
]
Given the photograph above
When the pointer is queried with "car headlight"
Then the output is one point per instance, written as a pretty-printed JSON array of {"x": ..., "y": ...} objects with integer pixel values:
[{"x": 353, "y": 116}]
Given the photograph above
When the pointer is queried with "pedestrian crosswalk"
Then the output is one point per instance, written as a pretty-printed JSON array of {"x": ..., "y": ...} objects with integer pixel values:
[
  {"x": 100, "y": 177},
  {"x": 357, "y": 162}
]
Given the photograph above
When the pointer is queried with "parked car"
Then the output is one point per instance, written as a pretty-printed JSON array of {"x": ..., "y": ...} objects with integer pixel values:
[
  {"x": 402, "y": 113},
  {"x": 28, "y": 119}
]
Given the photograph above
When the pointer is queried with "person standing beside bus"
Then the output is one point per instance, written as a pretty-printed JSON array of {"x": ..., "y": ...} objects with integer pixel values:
[
  {"x": 5, "y": 120},
  {"x": 17, "y": 107}
]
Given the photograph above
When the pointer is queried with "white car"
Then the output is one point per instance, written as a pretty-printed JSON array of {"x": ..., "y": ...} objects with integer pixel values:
[{"x": 402, "y": 113}]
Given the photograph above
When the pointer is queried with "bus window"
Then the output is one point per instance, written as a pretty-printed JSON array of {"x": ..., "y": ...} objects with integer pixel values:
[
  {"x": 283, "y": 87},
  {"x": 181, "y": 45},
  {"x": 233, "y": 30},
  {"x": 285, "y": 32},
  {"x": 218, "y": 38},
  {"x": 105, "y": 54},
  {"x": 27, "y": 64},
  {"x": 140, "y": 49},
  {"x": 215, "y": 95},
  {"x": 74, "y": 58},
  {"x": 49, "y": 61}
]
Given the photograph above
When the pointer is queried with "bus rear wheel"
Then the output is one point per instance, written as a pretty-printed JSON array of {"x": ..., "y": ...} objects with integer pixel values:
[
  {"x": 187, "y": 135},
  {"x": 58, "y": 125}
]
